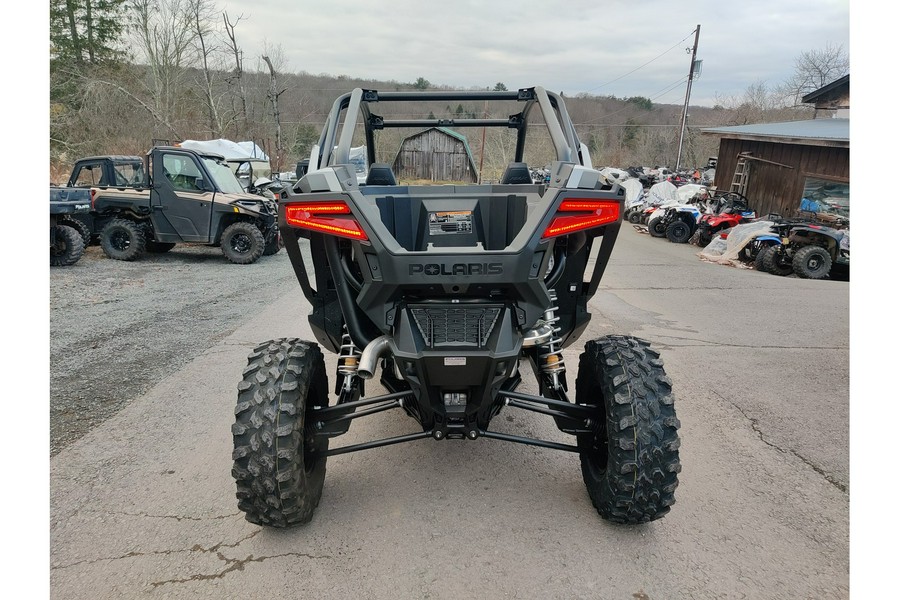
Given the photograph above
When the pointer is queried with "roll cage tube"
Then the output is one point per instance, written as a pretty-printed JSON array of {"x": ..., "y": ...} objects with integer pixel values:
[{"x": 334, "y": 151}]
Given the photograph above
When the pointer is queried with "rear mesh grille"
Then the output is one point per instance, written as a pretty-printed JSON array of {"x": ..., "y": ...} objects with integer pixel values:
[{"x": 455, "y": 325}]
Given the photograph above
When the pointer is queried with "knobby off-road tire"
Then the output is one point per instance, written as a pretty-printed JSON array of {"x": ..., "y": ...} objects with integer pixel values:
[
  {"x": 69, "y": 247},
  {"x": 705, "y": 237},
  {"x": 274, "y": 246},
  {"x": 812, "y": 262},
  {"x": 159, "y": 247},
  {"x": 122, "y": 239},
  {"x": 81, "y": 227},
  {"x": 656, "y": 228},
  {"x": 630, "y": 463},
  {"x": 758, "y": 262},
  {"x": 279, "y": 479},
  {"x": 243, "y": 243},
  {"x": 775, "y": 261},
  {"x": 634, "y": 217},
  {"x": 678, "y": 232}
]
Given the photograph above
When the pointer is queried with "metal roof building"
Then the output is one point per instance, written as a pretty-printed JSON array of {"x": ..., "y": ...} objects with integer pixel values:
[
  {"x": 779, "y": 166},
  {"x": 815, "y": 132}
]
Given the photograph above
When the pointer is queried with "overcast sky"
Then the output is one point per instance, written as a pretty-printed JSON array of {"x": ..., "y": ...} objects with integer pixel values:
[{"x": 605, "y": 47}]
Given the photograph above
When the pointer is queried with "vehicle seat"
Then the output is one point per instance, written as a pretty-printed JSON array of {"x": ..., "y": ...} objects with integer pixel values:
[
  {"x": 516, "y": 173},
  {"x": 380, "y": 174}
]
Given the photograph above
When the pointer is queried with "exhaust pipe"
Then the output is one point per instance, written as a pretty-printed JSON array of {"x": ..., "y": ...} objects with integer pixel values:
[{"x": 370, "y": 355}]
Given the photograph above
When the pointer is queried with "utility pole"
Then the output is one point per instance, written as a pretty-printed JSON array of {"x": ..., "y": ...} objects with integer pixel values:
[{"x": 687, "y": 97}]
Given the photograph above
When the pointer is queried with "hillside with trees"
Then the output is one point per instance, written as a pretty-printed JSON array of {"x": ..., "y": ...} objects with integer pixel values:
[{"x": 124, "y": 73}]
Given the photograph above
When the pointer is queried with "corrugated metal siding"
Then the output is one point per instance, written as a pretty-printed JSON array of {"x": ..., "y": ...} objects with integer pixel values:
[
  {"x": 771, "y": 188},
  {"x": 434, "y": 155}
]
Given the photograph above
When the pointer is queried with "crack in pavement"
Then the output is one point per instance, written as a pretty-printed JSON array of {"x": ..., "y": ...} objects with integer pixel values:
[
  {"x": 194, "y": 548},
  {"x": 176, "y": 517},
  {"x": 759, "y": 346},
  {"x": 754, "y": 424},
  {"x": 234, "y": 564}
]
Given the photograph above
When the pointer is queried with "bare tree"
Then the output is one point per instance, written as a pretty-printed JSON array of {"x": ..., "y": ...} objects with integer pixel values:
[
  {"x": 202, "y": 13},
  {"x": 814, "y": 69},
  {"x": 165, "y": 36},
  {"x": 275, "y": 60},
  {"x": 238, "y": 73},
  {"x": 758, "y": 104}
]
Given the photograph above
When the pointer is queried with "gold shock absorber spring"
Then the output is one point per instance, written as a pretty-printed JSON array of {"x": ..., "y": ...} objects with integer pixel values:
[
  {"x": 348, "y": 359},
  {"x": 550, "y": 357}
]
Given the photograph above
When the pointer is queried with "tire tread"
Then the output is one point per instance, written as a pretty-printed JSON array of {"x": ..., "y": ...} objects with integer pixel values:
[{"x": 639, "y": 428}]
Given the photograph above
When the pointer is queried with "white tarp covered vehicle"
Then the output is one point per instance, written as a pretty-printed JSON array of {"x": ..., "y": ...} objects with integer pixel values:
[
  {"x": 727, "y": 251},
  {"x": 678, "y": 197},
  {"x": 662, "y": 192},
  {"x": 247, "y": 159},
  {"x": 613, "y": 175}
]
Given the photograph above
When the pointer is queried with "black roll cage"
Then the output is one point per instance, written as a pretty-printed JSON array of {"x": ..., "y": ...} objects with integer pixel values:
[{"x": 334, "y": 148}]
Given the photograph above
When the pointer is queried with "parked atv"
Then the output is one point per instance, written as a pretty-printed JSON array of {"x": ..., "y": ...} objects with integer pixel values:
[
  {"x": 808, "y": 250},
  {"x": 442, "y": 292},
  {"x": 728, "y": 210},
  {"x": 677, "y": 223},
  {"x": 677, "y": 219}
]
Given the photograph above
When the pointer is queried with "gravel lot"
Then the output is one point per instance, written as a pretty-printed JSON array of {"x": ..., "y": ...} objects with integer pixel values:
[{"x": 113, "y": 324}]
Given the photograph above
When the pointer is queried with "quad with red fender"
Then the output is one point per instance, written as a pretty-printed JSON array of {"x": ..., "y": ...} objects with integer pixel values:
[{"x": 733, "y": 210}]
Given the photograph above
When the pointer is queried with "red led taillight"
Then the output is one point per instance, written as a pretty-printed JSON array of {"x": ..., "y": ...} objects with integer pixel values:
[
  {"x": 593, "y": 213},
  {"x": 319, "y": 216}
]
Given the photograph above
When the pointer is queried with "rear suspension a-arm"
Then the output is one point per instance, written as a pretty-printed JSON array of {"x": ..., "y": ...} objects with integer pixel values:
[{"x": 332, "y": 420}]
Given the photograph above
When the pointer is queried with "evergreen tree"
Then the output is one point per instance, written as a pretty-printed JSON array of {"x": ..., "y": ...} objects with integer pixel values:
[{"x": 85, "y": 31}]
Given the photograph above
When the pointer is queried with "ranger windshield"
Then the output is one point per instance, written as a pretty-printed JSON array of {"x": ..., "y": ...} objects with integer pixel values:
[{"x": 224, "y": 177}]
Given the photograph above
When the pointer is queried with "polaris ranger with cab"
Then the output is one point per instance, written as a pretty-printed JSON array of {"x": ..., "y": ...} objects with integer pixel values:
[
  {"x": 443, "y": 292},
  {"x": 110, "y": 171},
  {"x": 185, "y": 197}
]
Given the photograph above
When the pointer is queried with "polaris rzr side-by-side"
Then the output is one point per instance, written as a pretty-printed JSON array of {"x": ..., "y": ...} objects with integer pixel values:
[{"x": 444, "y": 292}]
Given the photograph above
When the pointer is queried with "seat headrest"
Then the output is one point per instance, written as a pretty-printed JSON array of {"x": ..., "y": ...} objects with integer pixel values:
[
  {"x": 380, "y": 174},
  {"x": 516, "y": 172}
]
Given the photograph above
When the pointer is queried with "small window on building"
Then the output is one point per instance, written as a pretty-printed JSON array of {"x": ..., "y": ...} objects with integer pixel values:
[{"x": 828, "y": 200}]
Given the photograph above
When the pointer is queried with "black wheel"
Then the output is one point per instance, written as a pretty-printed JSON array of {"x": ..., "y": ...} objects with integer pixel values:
[
  {"x": 67, "y": 247},
  {"x": 634, "y": 217},
  {"x": 776, "y": 261},
  {"x": 81, "y": 227},
  {"x": 678, "y": 232},
  {"x": 274, "y": 245},
  {"x": 812, "y": 262},
  {"x": 760, "y": 254},
  {"x": 243, "y": 243},
  {"x": 705, "y": 236},
  {"x": 122, "y": 239},
  {"x": 657, "y": 229},
  {"x": 278, "y": 473},
  {"x": 630, "y": 463},
  {"x": 159, "y": 247},
  {"x": 751, "y": 253}
]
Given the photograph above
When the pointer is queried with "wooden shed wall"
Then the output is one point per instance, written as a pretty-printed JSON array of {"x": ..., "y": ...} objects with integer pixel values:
[
  {"x": 436, "y": 156},
  {"x": 771, "y": 188}
]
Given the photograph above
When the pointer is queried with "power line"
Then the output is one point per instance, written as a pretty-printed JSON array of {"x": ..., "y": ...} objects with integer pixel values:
[
  {"x": 658, "y": 94},
  {"x": 643, "y": 65}
]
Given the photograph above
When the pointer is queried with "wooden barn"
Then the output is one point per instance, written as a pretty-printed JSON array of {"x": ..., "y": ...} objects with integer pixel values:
[
  {"x": 781, "y": 166},
  {"x": 436, "y": 154}
]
